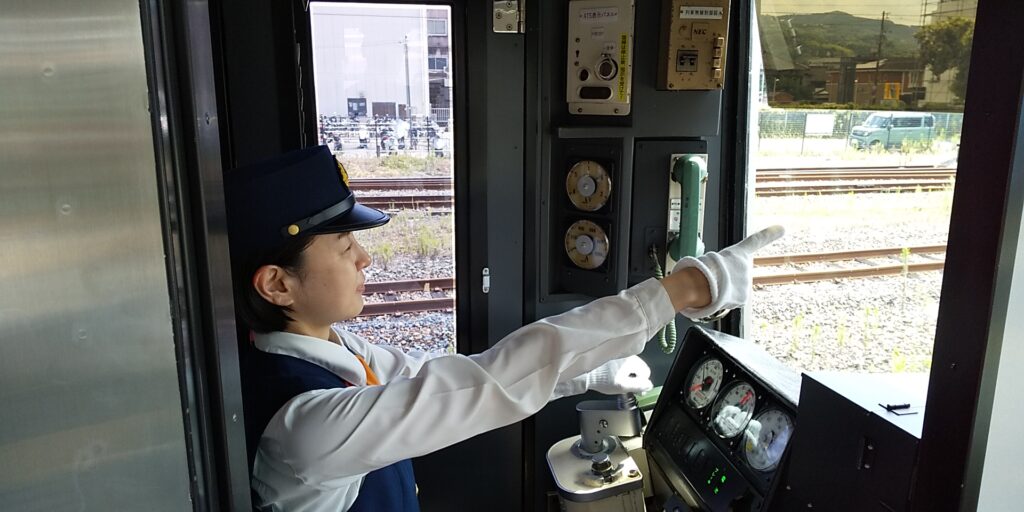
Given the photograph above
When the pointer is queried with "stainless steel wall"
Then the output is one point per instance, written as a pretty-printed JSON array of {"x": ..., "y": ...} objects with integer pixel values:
[{"x": 90, "y": 410}]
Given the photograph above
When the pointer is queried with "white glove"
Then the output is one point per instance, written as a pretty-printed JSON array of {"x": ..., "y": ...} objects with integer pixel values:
[
  {"x": 728, "y": 272},
  {"x": 730, "y": 417},
  {"x": 627, "y": 375},
  {"x": 753, "y": 434}
]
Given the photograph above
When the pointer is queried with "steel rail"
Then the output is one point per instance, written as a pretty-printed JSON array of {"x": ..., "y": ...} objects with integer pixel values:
[
  {"x": 397, "y": 202},
  {"x": 854, "y": 169},
  {"x": 848, "y": 188},
  {"x": 392, "y": 202},
  {"x": 827, "y": 275},
  {"x": 768, "y": 183},
  {"x": 407, "y": 306},
  {"x": 869, "y": 271},
  {"x": 427, "y": 183},
  {"x": 858, "y": 176},
  {"x": 446, "y": 182},
  {"x": 409, "y": 203},
  {"x": 412, "y": 285},
  {"x": 784, "y": 259}
]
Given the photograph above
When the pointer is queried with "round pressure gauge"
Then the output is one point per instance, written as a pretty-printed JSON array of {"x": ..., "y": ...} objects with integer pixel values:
[
  {"x": 733, "y": 409},
  {"x": 588, "y": 184},
  {"x": 766, "y": 439},
  {"x": 586, "y": 244},
  {"x": 703, "y": 383}
]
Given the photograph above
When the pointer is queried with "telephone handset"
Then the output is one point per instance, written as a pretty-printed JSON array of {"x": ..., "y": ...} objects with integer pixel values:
[{"x": 688, "y": 179}]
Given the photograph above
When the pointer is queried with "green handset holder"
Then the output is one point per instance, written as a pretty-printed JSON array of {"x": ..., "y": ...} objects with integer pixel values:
[
  {"x": 687, "y": 183},
  {"x": 688, "y": 179}
]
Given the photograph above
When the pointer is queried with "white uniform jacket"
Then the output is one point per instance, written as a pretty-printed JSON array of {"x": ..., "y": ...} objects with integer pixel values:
[{"x": 318, "y": 447}]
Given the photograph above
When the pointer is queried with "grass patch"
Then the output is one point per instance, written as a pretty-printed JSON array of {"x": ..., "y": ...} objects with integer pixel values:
[
  {"x": 410, "y": 233},
  {"x": 396, "y": 166}
]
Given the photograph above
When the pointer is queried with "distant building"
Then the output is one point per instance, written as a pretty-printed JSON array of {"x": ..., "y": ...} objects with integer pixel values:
[
  {"x": 816, "y": 75},
  {"x": 876, "y": 82},
  {"x": 439, "y": 64},
  {"x": 952, "y": 9}
]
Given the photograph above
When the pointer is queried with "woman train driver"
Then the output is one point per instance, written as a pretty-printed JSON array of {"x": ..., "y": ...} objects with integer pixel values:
[{"x": 331, "y": 419}]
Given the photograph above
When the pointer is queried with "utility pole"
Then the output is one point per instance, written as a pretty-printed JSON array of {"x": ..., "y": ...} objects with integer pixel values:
[
  {"x": 878, "y": 58},
  {"x": 408, "y": 94}
]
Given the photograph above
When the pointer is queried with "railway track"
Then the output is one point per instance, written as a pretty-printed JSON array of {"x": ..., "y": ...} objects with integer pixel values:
[
  {"x": 407, "y": 202},
  {"x": 423, "y": 183},
  {"x": 437, "y": 287},
  {"x": 866, "y": 270},
  {"x": 768, "y": 183},
  {"x": 442, "y": 286},
  {"x": 806, "y": 174},
  {"x": 783, "y": 182}
]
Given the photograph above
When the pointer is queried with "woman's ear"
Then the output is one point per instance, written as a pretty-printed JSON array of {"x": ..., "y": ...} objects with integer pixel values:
[{"x": 271, "y": 283}]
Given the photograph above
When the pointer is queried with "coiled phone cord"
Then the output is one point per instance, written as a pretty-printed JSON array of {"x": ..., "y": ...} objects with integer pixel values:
[{"x": 667, "y": 334}]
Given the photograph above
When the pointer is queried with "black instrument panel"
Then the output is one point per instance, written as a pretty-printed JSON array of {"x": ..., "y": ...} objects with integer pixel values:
[{"x": 724, "y": 420}]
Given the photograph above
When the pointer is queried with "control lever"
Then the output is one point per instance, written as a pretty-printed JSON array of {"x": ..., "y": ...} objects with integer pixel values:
[{"x": 601, "y": 421}]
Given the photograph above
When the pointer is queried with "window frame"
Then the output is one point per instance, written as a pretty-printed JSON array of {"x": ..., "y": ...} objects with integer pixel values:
[{"x": 433, "y": 58}]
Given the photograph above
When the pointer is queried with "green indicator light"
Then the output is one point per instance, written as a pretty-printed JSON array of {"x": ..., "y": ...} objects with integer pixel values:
[
  {"x": 716, "y": 490},
  {"x": 723, "y": 479},
  {"x": 709, "y": 481}
]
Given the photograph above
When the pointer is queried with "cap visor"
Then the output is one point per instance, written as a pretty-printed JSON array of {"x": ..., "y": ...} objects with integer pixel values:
[{"x": 357, "y": 219}]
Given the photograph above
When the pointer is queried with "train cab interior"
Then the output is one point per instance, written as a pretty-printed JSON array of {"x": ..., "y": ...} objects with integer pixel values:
[{"x": 534, "y": 155}]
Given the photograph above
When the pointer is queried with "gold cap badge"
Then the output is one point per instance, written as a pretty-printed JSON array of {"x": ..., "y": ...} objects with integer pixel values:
[{"x": 343, "y": 172}]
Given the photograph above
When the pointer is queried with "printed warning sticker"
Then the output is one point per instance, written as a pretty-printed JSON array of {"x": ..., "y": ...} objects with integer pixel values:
[{"x": 700, "y": 13}]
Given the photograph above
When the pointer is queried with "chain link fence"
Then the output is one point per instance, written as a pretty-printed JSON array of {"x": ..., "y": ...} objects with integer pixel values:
[{"x": 791, "y": 123}]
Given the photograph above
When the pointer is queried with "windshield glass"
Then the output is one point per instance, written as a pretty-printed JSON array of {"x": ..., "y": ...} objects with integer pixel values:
[
  {"x": 875, "y": 121},
  {"x": 833, "y": 76}
]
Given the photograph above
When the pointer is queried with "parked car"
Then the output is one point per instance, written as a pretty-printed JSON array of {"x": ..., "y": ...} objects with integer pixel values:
[{"x": 893, "y": 129}]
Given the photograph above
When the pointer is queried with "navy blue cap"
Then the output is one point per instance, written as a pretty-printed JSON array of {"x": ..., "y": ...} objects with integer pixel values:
[{"x": 297, "y": 193}]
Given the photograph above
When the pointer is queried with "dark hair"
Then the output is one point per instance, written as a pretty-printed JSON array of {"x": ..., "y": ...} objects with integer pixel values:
[{"x": 251, "y": 308}]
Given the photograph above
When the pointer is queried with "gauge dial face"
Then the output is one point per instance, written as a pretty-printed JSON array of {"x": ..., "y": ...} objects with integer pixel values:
[
  {"x": 586, "y": 244},
  {"x": 703, "y": 384},
  {"x": 766, "y": 438},
  {"x": 733, "y": 409},
  {"x": 588, "y": 184}
]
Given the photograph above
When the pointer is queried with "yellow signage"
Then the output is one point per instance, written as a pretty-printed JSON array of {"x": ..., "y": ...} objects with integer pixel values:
[
  {"x": 892, "y": 90},
  {"x": 623, "y": 65}
]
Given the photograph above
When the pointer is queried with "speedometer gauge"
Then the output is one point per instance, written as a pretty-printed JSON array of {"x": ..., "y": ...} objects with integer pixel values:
[
  {"x": 733, "y": 409},
  {"x": 703, "y": 383},
  {"x": 766, "y": 439}
]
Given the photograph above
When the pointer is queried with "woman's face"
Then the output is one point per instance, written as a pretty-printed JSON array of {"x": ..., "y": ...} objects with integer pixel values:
[{"x": 330, "y": 286}]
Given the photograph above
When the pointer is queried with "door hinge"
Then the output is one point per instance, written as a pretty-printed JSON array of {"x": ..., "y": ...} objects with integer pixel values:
[
  {"x": 486, "y": 273},
  {"x": 510, "y": 16}
]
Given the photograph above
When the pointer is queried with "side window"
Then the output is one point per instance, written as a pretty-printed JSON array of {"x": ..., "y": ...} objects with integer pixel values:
[
  {"x": 929, "y": 121},
  {"x": 383, "y": 83}
]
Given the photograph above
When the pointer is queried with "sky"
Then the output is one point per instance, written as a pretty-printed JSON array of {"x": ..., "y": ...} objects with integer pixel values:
[{"x": 904, "y": 12}]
